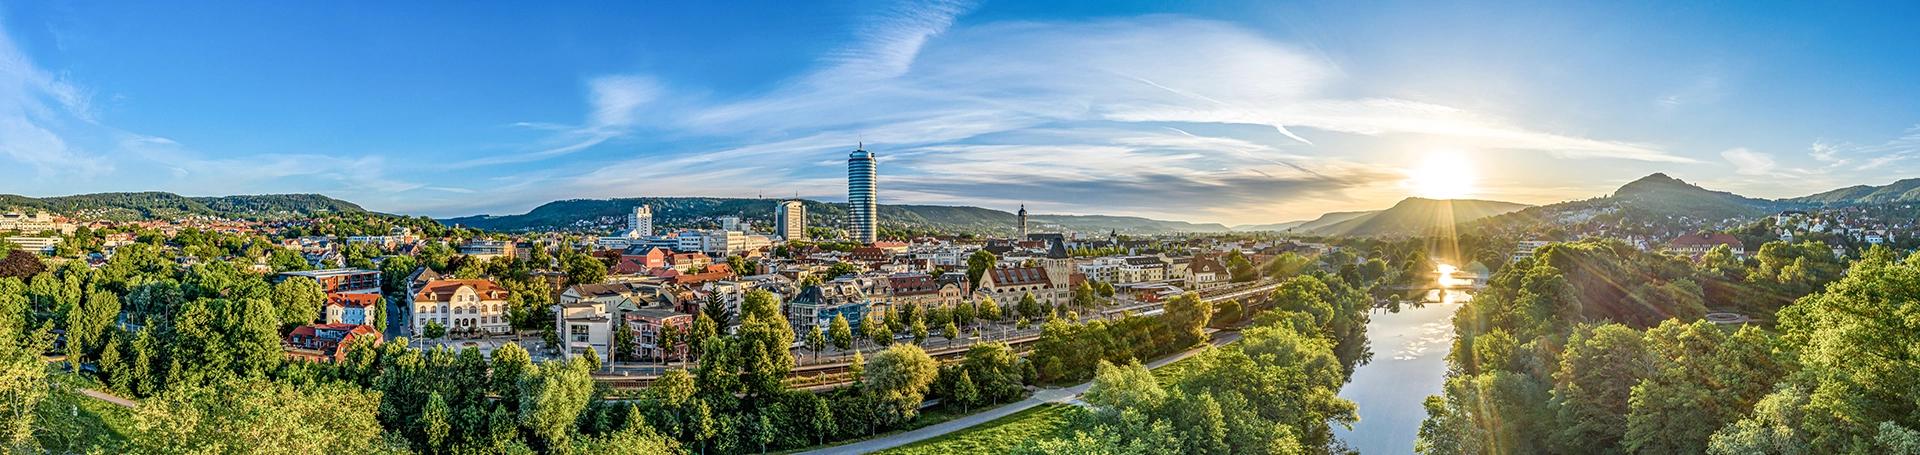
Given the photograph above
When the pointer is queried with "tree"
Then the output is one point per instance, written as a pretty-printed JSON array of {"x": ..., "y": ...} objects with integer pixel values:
[
  {"x": 591, "y": 359},
  {"x": 964, "y": 392},
  {"x": 740, "y": 265},
  {"x": 510, "y": 364},
  {"x": 379, "y": 315},
  {"x": 584, "y": 269},
  {"x": 840, "y": 269},
  {"x": 1029, "y": 308},
  {"x": 876, "y": 331},
  {"x": 816, "y": 342},
  {"x": 765, "y": 344},
  {"x": 840, "y": 332},
  {"x": 950, "y": 331},
  {"x": 989, "y": 310},
  {"x": 963, "y": 313},
  {"x": 299, "y": 301},
  {"x": 919, "y": 331},
  {"x": 977, "y": 265},
  {"x": 433, "y": 422},
  {"x": 624, "y": 344},
  {"x": 21, "y": 264},
  {"x": 703, "y": 328},
  {"x": 1187, "y": 315},
  {"x": 258, "y": 416},
  {"x": 434, "y": 330},
  {"x": 858, "y": 368},
  {"x": 552, "y": 396},
  {"x": 898, "y": 378},
  {"x": 1594, "y": 385}
]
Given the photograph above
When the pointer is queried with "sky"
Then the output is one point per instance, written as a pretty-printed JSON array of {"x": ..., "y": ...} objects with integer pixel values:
[{"x": 1237, "y": 112}]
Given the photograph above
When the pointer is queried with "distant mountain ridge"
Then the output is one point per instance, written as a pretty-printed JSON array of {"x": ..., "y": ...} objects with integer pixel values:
[
  {"x": 1907, "y": 190},
  {"x": 703, "y": 210},
  {"x": 162, "y": 205},
  {"x": 1411, "y": 216}
]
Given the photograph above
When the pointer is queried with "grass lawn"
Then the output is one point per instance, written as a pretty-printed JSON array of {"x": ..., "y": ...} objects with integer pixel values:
[
  {"x": 75, "y": 422},
  {"x": 998, "y": 436}
]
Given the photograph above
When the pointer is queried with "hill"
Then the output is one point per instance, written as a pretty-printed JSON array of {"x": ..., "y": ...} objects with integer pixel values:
[
  {"x": 1659, "y": 194},
  {"x": 1413, "y": 216},
  {"x": 582, "y": 214},
  {"x": 161, "y": 205},
  {"x": 1901, "y": 191}
]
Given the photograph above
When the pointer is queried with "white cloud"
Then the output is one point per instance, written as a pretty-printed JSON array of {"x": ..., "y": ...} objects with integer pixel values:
[{"x": 1748, "y": 162}]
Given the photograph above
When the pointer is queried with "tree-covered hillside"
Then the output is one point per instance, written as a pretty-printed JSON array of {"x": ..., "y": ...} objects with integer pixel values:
[{"x": 161, "y": 205}]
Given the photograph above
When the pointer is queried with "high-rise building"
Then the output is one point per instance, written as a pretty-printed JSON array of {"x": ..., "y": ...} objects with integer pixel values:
[
  {"x": 731, "y": 223},
  {"x": 790, "y": 220},
  {"x": 861, "y": 192},
  {"x": 1023, "y": 223},
  {"x": 640, "y": 222}
]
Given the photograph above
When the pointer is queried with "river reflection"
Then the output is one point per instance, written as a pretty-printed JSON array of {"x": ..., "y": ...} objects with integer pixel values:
[{"x": 1409, "y": 363}]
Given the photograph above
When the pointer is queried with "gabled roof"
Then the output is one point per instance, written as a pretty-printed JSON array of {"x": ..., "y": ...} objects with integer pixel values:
[
  {"x": 1206, "y": 265},
  {"x": 1017, "y": 276},
  {"x": 442, "y": 290},
  {"x": 352, "y": 300}
]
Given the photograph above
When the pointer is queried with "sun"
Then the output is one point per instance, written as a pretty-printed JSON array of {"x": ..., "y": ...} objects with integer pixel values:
[{"x": 1443, "y": 175}]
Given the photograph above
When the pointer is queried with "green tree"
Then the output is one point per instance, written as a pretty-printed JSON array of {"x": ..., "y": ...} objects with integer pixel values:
[
  {"x": 840, "y": 332},
  {"x": 1029, "y": 308},
  {"x": 876, "y": 331},
  {"x": 624, "y": 345},
  {"x": 1594, "y": 384},
  {"x": 816, "y": 342},
  {"x": 433, "y": 330},
  {"x": 950, "y": 331},
  {"x": 977, "y": 266},
  {"x": 964, "y": 392},
  {"x": 510, "y": 364},
  {"x": 258, "y": 416},
  {"x": 919, "y": 329},
  {"x": 433, "y": 422},
  {"x": 899, "y": 378},
  {"x": 299, "y": 301},
  {"x": 989, "y": 310},
  {"x": 765, "y": 344},
  {"x": 552, "y": 396},
  {"x": 963, "y": 313}
]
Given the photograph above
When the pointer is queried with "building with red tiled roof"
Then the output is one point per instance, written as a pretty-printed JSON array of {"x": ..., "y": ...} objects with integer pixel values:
[
  {"x": 322, "y": 342},
  {"x": 1007, "y": 286},
  {"x": 351, "y": 308},
  {"x": 472, "y": 305}
]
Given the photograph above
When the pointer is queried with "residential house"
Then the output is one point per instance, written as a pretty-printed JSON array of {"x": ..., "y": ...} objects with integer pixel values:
[
  {"x": 321, "y": 343},
  {"x": 472, "y": 305}
]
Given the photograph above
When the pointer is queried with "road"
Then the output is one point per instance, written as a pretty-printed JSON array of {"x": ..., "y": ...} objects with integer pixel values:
[
  {"x": 1044, "y": 396},
  {"x": 110, "y": 398}
]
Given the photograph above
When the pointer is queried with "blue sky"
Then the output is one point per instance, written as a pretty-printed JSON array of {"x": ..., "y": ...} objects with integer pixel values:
[{"x": 1218, "y": 111}]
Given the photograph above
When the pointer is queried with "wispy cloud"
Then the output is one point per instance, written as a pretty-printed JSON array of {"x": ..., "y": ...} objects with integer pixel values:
[
  {"x": 1748, "y": 162},
  {"x": 34, "y": 104}
]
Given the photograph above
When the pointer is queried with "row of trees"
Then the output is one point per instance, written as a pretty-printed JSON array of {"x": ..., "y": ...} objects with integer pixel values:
[
  {"x": 1598, "y": 348},
  {"x": 1276, "y": 391}
]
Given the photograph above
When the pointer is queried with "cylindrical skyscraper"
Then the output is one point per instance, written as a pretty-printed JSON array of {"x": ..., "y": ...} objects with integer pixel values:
[{"x": 861, "y": 208}]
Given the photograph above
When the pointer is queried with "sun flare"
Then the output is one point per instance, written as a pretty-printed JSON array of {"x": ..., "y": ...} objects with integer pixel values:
[{"x": 1442, "y": 175}]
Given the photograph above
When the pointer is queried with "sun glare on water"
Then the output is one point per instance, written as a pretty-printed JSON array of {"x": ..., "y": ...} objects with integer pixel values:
[{"x": 1442, "y": 175}]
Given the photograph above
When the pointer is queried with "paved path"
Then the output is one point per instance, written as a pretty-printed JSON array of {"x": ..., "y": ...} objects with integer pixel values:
[
  {"x": 1053, "y": 395},
  {"x": 110, "y": 398}
]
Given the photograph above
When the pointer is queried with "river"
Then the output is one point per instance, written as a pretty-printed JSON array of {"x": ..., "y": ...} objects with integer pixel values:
[{"x": 1409, "y": 363}]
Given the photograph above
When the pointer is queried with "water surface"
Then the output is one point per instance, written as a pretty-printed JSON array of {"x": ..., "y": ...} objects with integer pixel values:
[{"x": 1409, "y": 363}]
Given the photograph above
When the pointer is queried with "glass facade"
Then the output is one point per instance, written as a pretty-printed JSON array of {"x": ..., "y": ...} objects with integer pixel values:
[{"x": 861, "y": 207}]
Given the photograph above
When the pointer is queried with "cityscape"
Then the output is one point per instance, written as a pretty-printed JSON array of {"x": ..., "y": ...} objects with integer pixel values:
[{"x": 1249, "y": 261}]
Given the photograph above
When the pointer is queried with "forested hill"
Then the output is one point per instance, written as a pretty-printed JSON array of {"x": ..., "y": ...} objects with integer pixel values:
[
  {"x": 1902, "y": 191},
  {"x": 1661, "y": 194},
  {"x": 702, "y": 211},
  {"x": 161, "y": 205}
]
